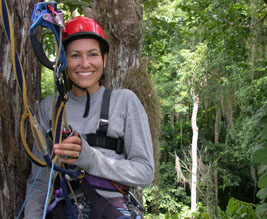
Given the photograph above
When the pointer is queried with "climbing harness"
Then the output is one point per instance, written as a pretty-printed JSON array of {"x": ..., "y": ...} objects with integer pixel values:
[
  {"x": 100, "y": 138},
  {"x": 100, "y": 205}
]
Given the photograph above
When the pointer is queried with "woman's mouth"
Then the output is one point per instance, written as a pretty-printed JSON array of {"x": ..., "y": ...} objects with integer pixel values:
[{"x": 85, "y": 73}]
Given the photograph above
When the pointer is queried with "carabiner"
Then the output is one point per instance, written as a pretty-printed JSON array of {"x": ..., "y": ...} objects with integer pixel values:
[{"x": 43, "y": 16}]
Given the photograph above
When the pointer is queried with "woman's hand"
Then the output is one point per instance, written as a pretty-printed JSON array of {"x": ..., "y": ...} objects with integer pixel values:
[{"x": 69, "y": 150}]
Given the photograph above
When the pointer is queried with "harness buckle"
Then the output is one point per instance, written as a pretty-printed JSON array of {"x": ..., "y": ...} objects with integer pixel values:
[{"x": 102, "y": 125}]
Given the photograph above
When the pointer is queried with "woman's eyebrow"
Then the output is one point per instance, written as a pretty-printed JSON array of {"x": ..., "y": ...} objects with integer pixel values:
[{"x": 91, "y": 50}]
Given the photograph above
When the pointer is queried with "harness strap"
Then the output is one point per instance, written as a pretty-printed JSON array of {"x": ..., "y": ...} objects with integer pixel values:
[
  {"x": 103, "y": 121},
  {"x": 100, "y": 205},
  {"x": 100, "y": 138},
  {"x": 105, "y": 184},
  {"x": 97, "y": 140}
]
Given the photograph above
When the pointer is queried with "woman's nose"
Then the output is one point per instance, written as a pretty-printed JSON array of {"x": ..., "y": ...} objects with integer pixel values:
[{"x": 85, "y": 62}]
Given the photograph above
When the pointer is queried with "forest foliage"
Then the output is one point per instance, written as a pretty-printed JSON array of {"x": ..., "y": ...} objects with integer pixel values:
[{"x": 217, "y": 47}]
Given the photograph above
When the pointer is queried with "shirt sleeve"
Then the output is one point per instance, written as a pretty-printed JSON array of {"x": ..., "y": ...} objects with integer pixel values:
[{"x": 137, "y": 166}]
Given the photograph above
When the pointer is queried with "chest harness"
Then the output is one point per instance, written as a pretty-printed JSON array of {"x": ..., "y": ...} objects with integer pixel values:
[
  {"x": 46, "y": 14},
  {"x": 100, "y": 205}
]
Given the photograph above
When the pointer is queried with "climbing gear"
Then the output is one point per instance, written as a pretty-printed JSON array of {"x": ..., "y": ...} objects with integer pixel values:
[
  {"x": 105, "y": 184},
  {"x": 100, "y": 138},
  {"x": 28, "y": 112},
  {"x": 100, "y": 205},
  {"x": 83, "y": 27},
  {"x": 40, "y": 142},
  {"x": 45, "y": 14}
]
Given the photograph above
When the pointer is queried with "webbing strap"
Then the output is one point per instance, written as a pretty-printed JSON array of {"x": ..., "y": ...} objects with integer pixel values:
[
  {"x": 100, "y": 205},
  {"x": 100, "y": 138},
  {"x": 110, "y": 143},
  {"x": 66, "y": 196},
  {"x": 103, "y": 122}
]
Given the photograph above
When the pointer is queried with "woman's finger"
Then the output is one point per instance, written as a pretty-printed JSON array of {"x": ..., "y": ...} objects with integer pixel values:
[
  {"x": 68, "y": 146},
  {"x": 67, "y": 153}
]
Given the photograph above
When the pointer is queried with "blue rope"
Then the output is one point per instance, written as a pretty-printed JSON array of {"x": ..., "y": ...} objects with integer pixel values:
[
  {"x": 29, "y": 193},
  {"x": 48, "y": 190}
]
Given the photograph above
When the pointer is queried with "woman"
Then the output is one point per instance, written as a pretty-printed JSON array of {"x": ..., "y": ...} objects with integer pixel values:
[{"x": 116, "y": 148}]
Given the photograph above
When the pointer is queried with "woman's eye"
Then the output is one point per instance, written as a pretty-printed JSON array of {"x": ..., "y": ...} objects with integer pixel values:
[
  {"x": 94, "y": 54},
  {"x": 74, "y": 55}
]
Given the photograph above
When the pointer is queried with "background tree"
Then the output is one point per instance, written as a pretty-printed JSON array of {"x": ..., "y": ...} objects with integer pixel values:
[
  {"x": 14, "y": 166},
  {"x": 233, "y": 33}
]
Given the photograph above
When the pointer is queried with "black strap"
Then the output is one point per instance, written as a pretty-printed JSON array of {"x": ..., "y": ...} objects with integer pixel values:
[
  {"x": 100, "y": 138},
  {"x": 103, "y": 121},
  {"x": 103, "y": 141},
  {"x": 100, "y": 205}
]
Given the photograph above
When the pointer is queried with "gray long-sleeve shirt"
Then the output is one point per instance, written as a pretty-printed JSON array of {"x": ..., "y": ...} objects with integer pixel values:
[{"x": 127, "y": 119}]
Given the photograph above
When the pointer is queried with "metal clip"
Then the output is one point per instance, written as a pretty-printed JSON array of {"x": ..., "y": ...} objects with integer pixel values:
[{"x": 131, "y": 197}]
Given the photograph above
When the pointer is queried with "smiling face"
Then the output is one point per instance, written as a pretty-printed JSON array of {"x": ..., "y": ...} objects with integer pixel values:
[{"x": 85, "y": 65}]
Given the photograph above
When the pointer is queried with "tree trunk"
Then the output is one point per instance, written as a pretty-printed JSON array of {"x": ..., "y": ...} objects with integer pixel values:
[
  {"x": 14, "y": 166},
  {"x": 215, "y": 172},
  {"x": 194, "y": 153},
  {"x": 121, "y": 21}
]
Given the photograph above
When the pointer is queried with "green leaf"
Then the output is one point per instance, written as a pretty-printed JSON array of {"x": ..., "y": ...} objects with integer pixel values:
[
  {"x": 263, "y": 181},
  {"x": 264, "y": 134},
  {"x": 262, "y": 193},
  {"x": 261, "y": 210},
  {"x": 260, "y": 156},
  {"x": 262, "y": 169}
]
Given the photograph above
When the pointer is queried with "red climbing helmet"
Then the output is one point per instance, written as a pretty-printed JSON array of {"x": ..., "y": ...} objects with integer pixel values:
[{"x": 84, "y": 27}]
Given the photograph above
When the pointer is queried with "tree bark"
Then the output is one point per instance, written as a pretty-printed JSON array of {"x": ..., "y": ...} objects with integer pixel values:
[
  {"x": 121, "y": 21},
  {"x": 215, "y": 171},
  {"x": 194, "y": 152},
  {"x": 14, "y": 166}
]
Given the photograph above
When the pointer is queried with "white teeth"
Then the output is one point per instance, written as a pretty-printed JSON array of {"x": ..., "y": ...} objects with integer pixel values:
[{"x": 85, "y": 73}]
